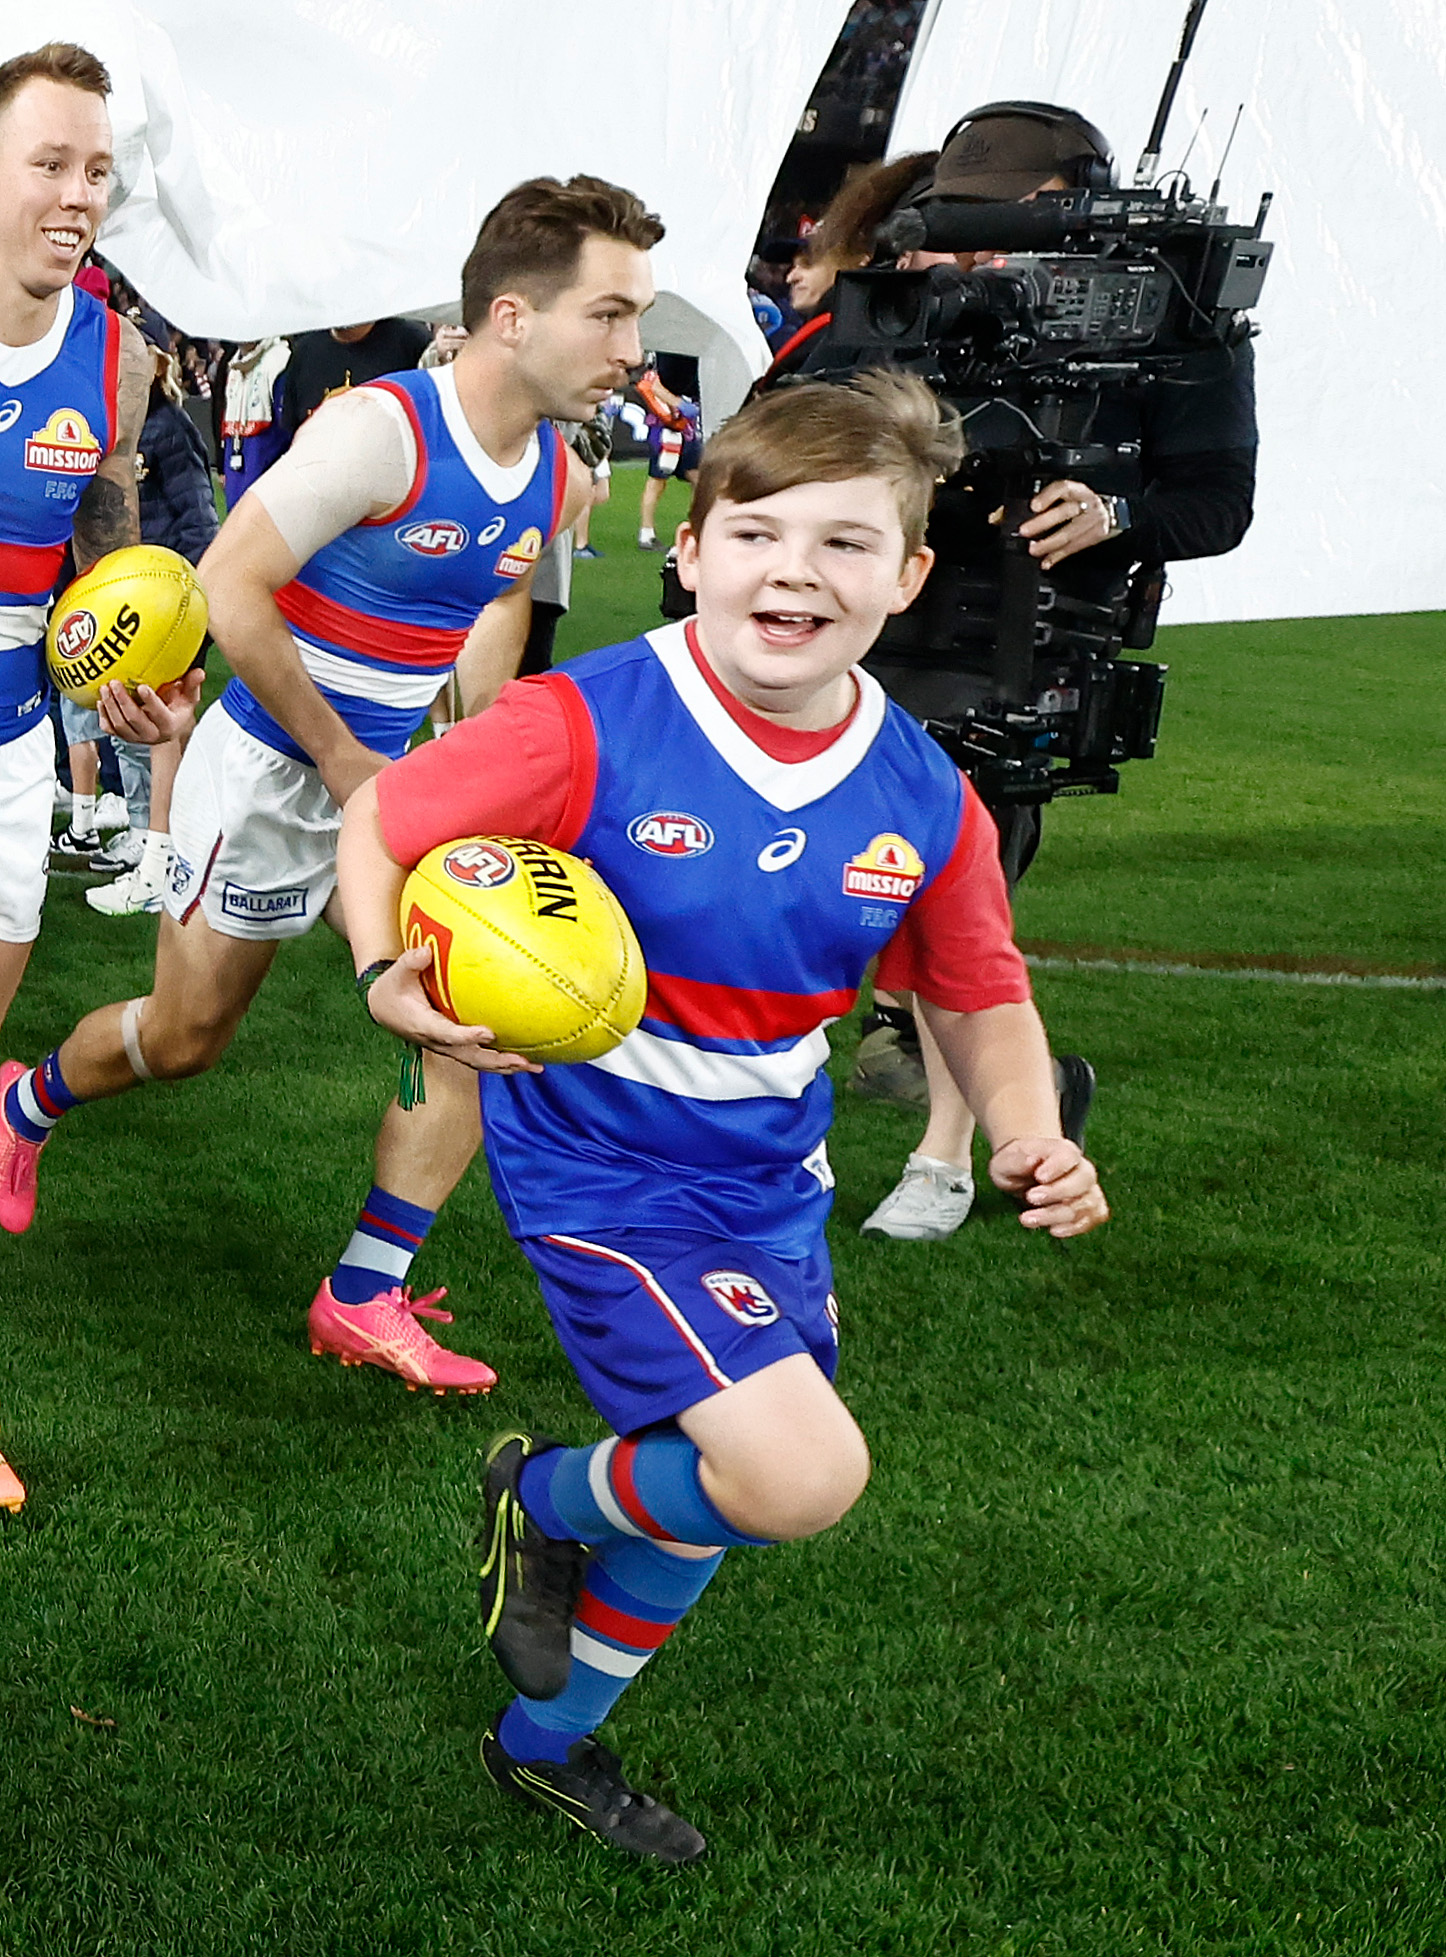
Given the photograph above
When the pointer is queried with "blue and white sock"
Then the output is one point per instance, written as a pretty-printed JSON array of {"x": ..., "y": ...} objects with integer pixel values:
[
  {"x": 388, "y": 1235},
  {"x": 636, "y": 1593},
  {"x": 645, "y": 1488},
  {"x": 38, "y": 1099}
]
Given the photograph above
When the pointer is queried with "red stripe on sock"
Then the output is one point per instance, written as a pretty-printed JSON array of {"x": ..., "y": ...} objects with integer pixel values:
[
  {"x": 382, "y": 1227},
  {"x": 594, "y": 1615},
  {"x": 37, "y": 1082},
  {"x": 620, "y": 1474}
]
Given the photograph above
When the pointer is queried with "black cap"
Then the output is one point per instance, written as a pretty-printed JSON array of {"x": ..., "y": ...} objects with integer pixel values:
[{"x": 1003, "y": 157}]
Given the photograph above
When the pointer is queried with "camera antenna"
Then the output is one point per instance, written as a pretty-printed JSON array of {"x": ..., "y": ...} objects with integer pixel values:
[
  {"x": 1229, "y": 143},
  {"x": 1179, "y": 171},
  {"x": 1149, "y": 161}
]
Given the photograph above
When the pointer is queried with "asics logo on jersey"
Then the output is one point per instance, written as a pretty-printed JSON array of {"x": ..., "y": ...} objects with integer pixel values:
[
  {"x": 741, "y": 1296},
  {"x": 10, "y": 414},
  {"x": 668, "y": 832},
  {"x": 481, "y": 866},
  {"x": 441, "y": 538},
  {"x": 787, "y": 846},
  {"x": 492, "y": 532}
]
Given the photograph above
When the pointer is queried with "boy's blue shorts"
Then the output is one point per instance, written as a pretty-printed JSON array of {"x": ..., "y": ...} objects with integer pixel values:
[{"x": 656, "y": 1320}]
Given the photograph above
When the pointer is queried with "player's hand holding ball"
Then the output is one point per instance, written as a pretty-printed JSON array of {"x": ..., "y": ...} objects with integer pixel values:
[{"x": 1056, "y": 1181}]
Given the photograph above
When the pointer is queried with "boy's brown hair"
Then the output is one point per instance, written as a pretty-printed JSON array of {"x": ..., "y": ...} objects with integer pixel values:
[
  {"x": 877, "y": 424},
  {"x": 57, "y": 61},
  {"x": 531, "y": 241}
]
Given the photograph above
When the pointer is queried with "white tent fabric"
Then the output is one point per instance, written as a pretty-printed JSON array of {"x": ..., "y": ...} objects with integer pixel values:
[
  {"x": 305, "y": 163},
  {"x": 1344, "y": 112}
]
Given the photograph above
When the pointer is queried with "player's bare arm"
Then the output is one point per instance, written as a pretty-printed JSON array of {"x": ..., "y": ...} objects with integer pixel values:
[
  {"x": 1000, "y": 1060},
  {"x": 108, "y": 515},
  {"x": 370, "y": 880},
  {"x": 339, "y": 471},
  {"x": 496, "y": 643}
]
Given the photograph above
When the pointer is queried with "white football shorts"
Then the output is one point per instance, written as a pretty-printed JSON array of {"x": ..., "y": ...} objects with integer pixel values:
[
  {"x": 27, "y": 801},
  {"x": 253, "y": 835}
]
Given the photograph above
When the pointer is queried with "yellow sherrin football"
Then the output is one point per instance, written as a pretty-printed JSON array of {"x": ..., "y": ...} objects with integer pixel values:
[
  {"x": 529, "y": 941},
  {"x": 137, "y": 615}
]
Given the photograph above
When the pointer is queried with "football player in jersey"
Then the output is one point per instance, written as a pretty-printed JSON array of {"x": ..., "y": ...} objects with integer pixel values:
[
  {"x": 392, "y": 544},
  {"x": 770, "y": 822},
  {"x": 74, "y": 384}
]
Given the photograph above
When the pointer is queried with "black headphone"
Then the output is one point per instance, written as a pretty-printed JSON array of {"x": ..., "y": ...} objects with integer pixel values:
[{"x": 1092, "y": 172}]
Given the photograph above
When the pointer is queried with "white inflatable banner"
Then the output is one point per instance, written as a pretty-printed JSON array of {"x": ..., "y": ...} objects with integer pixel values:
[
  {"x": 305, "y": 163},
  {"x": 1345, "y": 106}
]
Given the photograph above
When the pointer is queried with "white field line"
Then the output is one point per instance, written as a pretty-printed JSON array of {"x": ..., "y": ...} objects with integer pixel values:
[{"x": 1376, "y": 981}]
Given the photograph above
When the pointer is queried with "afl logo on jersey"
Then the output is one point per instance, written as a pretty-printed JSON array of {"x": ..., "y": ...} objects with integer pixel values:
[
  {"x": 521, "y": 556},
  {"x": 440, "y": 539},
  {"x": 75, "y": 634},
  {"x": 666, "y": 832},
  {"x": 64, "y": 446},
  {"x": 889, "y": 867},
  {"x": 481, "y": 866},
  {"x": 741, "y": 1296}
]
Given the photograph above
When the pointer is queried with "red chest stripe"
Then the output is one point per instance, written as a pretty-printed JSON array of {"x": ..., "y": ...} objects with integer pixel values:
[
  {"x": 30, "y": 570},
  {"x": 379, "y": 638},
  {"x": 723, "y": 1012}
]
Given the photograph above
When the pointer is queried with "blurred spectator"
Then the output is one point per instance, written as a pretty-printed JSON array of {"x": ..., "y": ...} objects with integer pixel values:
[
  {"x": 254, "y": 430},
  {"x": 336, "y": 358},
  {"x": 445, "y": 342},
  {"x": 669, "y": 386}
]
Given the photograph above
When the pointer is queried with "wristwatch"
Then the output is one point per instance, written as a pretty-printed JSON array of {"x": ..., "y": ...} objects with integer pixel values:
[{"x": 1118, "y": 512}]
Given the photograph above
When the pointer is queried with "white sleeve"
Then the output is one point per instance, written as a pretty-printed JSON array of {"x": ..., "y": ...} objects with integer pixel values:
[{"x": 354, "y": 458}]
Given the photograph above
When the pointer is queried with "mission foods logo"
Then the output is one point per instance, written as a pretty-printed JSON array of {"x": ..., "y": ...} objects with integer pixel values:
[
  {"x": 481, "y": 866},
  {"x": 64, "y": 446},
  {"x": 667, "y": 832},
  {"x": 521, "y": 556},
  {"x": 889, "y": 867},
  {"x": 440, "y": 539}
]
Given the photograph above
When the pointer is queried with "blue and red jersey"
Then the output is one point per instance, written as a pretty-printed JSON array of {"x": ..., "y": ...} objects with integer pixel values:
[
  {"x": 381, "y": 613},
  {"x": 760, "y": 888},
  {"x": 57, "y": 424}
]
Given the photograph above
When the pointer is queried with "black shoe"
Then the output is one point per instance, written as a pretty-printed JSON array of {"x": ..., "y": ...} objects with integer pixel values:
[
  {"x": 1074, "y": 1081},
  {"x": 72, "y": 851},
  {"x": 529, "y": 1583},
  {"x": 591, "y": 1793}
]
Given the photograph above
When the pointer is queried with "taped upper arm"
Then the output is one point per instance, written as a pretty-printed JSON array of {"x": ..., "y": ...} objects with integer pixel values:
[{"x": 353, "y": 459}]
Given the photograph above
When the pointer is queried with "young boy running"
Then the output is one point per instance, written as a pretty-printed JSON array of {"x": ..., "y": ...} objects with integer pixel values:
[{"x": 771, "y": 823}]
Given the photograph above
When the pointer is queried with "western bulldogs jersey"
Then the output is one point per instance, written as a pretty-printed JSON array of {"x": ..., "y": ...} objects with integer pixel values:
[
  {"x": 759, "y": 891},
  {"x": 57, "y": 423},
  {"x": 381, "y": 613}
]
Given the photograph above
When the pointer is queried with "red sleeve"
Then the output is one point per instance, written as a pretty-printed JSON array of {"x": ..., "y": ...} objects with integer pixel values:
[
  {"x": 525, "y": 767},
  {"x": 956, "y": 944}
]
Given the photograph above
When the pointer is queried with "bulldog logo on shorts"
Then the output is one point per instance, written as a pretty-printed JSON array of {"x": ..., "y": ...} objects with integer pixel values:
[{"x": 741, "y": 1296}]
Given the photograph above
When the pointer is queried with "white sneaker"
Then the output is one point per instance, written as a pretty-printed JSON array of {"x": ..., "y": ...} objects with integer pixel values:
[
  {"x": 929, "y": 1201},
  {"x": 111, "y": 813},
  {"x": 128, "y": 896},
  {"x": 62, "y": 796},
  {"x": 122, "y": 852}
]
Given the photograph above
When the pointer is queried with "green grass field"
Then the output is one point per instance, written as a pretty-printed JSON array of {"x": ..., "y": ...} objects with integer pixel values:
[{"x": 1136, "y": 1643}]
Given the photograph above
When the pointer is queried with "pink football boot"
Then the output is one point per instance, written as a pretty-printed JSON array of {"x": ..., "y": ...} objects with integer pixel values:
[
  {"x": 384, "y": 1332},
  {"x": 17, "y": 1162}
]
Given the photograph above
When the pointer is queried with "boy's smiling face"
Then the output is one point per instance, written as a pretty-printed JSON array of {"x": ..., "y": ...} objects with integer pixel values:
[{"x": 794, "y": 589}]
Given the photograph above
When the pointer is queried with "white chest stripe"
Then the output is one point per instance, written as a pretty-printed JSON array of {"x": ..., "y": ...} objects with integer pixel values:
[
  {"x": 787, "y": 785},
  {"x": 21, "y": 625},
  {"x": 387, "y": 686},
  {"x": 677, "y": 1068}
]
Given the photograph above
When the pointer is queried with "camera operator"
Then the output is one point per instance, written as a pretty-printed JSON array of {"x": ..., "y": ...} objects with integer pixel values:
[{"x": 1179, "y": 485}]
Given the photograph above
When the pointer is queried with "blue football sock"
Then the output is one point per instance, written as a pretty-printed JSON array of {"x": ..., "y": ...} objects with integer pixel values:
[
  {"x": 644, "y": 1487},
  {"x": 388, "y": 1235},
  {"x": 636, "y": 1592},
  {"x": 38, "y": 1099}
]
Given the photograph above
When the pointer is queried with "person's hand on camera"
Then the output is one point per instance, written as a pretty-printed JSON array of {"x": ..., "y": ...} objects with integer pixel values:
[{"x": 1068, "y": 517}]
